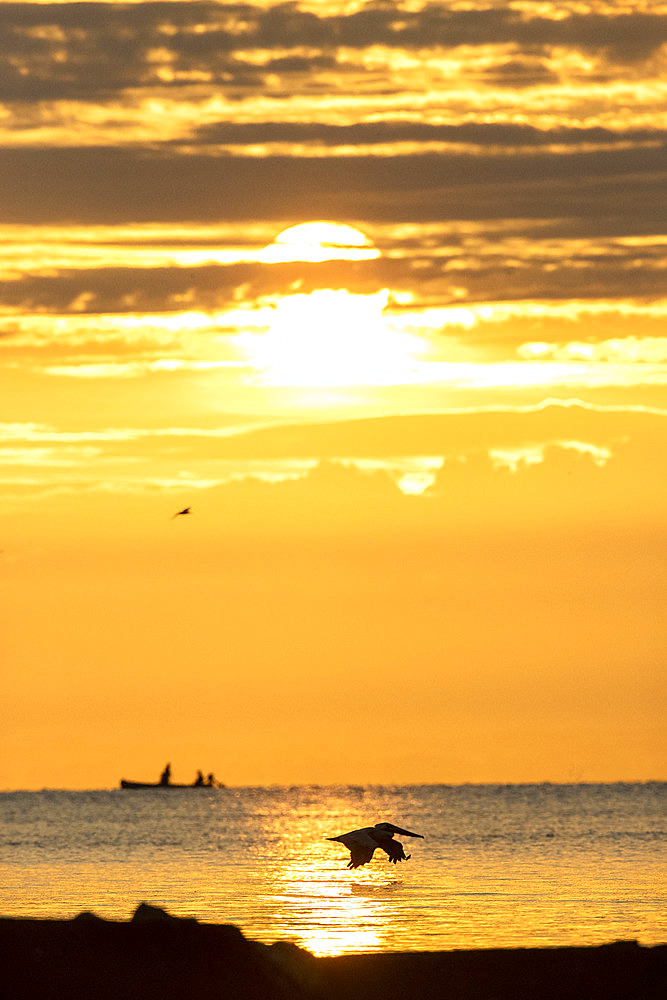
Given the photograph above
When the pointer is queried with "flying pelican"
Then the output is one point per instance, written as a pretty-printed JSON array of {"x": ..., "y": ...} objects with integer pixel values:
[
  {"x": 362, "y": 843},
  {"x": 186, "y": 510}
]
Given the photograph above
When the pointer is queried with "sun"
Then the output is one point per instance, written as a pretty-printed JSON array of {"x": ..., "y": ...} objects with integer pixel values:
[
  {"x": 328, "y": 337},
  {"x": 319, "y": 241}
]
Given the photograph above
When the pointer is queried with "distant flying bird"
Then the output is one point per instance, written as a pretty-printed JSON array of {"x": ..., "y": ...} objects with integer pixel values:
[
  {"x": 363, "y": 843},
  {"x": 186, "y": 510}
]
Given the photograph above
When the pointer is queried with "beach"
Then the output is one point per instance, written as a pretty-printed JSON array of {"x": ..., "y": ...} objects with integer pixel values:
[{"x": 157, "y": 955}]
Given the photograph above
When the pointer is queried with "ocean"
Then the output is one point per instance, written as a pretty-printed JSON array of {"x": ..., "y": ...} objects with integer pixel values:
[{"x": 500, "y": 865}]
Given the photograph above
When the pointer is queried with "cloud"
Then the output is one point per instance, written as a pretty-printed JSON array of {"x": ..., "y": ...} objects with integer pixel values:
[
  {"x": 488, "y": 270},
  {"x": 400, "y": 443},
  {"x": 649, "y": 350},
  {"x": 555, "y": 484},
  {"x": 127, "y": 289},
  {"x": 508, "y": 135},
  {"x": 85, "y": 49},
  {"x": 546, "y": 468},
  {"x": 116, "y": 185},
  {"x": 522, "y": 456},
  {"x": 40, "y": 458}
]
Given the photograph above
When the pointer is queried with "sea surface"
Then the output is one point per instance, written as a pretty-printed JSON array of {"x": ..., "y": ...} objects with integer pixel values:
[{"x": 500, "y": 865}]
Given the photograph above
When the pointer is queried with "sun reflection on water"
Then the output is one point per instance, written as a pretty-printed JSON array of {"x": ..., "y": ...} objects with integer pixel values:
[
  {"x": 317, "y": 902},
  {"x": 331, "y": 911}
]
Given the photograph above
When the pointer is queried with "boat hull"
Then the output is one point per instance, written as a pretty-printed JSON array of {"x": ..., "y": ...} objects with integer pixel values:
[{"x": 156, "y": 785}]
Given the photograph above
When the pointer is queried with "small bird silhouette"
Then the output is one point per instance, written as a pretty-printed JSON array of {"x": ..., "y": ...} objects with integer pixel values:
[{"x": 186, "y": 510}]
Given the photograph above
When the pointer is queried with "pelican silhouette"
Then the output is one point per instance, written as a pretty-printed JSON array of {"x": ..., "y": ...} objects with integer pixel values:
[
  {"x": 363, "y": 843},
  {"x": 186, "y": 510}
]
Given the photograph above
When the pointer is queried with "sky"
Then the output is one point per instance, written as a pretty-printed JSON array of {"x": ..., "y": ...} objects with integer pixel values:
[{"x": 377, "y": 290}]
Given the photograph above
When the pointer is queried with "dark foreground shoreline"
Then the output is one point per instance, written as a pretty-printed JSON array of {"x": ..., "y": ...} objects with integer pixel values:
[{"x": 158, "y": 956}]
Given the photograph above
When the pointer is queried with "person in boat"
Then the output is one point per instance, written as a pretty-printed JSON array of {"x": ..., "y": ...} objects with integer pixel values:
[
  {"x": 165, "y": 777},
  {"x": 199, "y": 781},
  {"x": 210, "y": 780}
]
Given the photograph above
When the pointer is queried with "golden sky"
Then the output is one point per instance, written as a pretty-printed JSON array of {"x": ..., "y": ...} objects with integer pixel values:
[{"x": 378, "y": 290}]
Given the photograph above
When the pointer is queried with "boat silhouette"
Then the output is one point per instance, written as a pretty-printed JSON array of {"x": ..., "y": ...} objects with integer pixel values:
[{"x": 166, "y": 782}]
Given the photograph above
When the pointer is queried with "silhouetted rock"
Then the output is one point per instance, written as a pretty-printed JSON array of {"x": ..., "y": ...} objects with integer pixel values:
[
  {"x": 146, "y": 914},
  {"x": 622, "y": 971},
  {"x": 156, "y": 955},
  {"x": 87, "y": 916},
  {"x": 300, "y": 966}
]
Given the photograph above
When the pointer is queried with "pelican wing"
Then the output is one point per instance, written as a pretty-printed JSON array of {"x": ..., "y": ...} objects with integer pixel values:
[
  {"x": 394, "y": 849},
  {"x": 360, "y": 854},
  {"x": 361, "y": 845}
]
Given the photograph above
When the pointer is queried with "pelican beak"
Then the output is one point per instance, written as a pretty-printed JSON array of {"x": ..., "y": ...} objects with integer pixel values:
[{"x": 408, "y": 833}]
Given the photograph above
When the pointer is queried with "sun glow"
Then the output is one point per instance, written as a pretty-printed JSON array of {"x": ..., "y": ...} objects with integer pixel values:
[{"x": 332, "y": 337}]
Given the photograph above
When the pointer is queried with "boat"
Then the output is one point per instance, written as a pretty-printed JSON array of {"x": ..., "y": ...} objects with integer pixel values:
[{"x": 159, "y": 784}]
